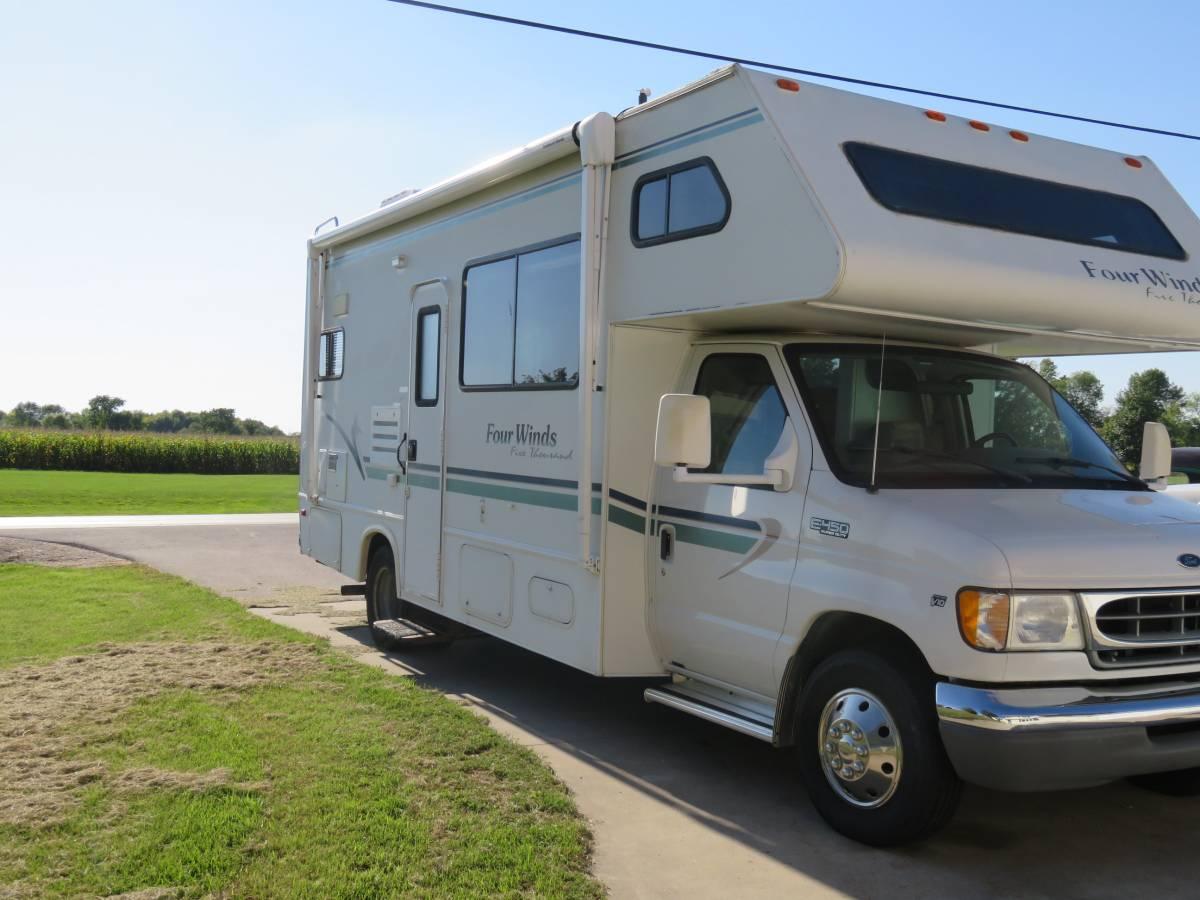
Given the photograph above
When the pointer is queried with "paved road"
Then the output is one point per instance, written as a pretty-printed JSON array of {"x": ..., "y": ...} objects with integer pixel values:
[{"x": 681, "y": 808}]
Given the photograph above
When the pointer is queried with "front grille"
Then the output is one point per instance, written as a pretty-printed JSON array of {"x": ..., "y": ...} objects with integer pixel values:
[{"x": 1147, "y": 629}]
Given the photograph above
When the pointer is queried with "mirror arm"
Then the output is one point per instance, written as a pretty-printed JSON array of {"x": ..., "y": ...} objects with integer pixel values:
[{"x": 772, "y": 477}]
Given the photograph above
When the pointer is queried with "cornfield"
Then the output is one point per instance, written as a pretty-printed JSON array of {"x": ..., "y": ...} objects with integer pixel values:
[{"x": 114, "y": 451}]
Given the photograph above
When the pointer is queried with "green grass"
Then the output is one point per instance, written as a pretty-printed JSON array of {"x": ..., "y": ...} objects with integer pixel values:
[
  {"x": 339, "y": 780},
  {"x": 25, "y": 492}
]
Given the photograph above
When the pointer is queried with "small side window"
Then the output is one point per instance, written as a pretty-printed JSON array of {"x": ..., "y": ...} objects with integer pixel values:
[
  {"x": 332, "y": 354},
  {"x": 429, "y": 351},
  {"x": 748, "y": 414},
  {"x": 686, "y": 200}
]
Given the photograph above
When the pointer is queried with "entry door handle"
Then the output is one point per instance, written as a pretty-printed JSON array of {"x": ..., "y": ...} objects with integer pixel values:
[
  {"x": 666, "y": 543},
  {"x": 412, "y": 450},
  {"x": 400, "y": 454}
]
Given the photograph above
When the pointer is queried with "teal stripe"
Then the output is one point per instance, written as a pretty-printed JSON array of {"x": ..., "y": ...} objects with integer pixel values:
[
  {"x": 626, "y": 519},
  {"x": 689, "y": 140},
  {"x": 425, "y": 481},
  {"x": 596, "y": 506},
  {"x": 433, "y": 228},
  {"x": 514, "y": 494},
  {"x": 377, "y": 474},
  {"x": 717, "y": 540}
]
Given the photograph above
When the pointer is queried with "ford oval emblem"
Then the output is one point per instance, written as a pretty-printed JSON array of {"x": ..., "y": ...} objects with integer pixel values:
[{"x": 1189, "y": 560}]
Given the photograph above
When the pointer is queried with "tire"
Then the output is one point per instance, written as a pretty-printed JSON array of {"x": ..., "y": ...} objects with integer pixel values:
[
  {"x": 883, "y": 712},
  {"x": 1180, "y": 783},
  {"x": 382, "y": 601}
]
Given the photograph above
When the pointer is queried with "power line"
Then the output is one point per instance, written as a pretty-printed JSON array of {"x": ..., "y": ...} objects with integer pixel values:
[{"x": 720, "y": 57}]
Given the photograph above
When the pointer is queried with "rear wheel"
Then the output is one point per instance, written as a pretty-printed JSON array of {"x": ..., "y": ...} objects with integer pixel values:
[
  {"x": 870, "y": 752},
  {"x": 382, "y": 602},
  {"x": 1180, "y": 783}
]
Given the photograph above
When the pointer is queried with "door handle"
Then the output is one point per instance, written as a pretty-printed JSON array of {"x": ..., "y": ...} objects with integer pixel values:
[
  {"x": 666, "y": 543},
  {"x": 400, "y": 454},
  {"x": 412, "y": 450}
]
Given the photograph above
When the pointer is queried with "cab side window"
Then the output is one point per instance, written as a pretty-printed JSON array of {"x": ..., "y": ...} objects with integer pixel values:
[{"x": 748, "y": 414}]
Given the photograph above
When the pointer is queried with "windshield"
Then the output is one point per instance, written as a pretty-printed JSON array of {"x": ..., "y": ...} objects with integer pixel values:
[{"x": 947, "y": 419}]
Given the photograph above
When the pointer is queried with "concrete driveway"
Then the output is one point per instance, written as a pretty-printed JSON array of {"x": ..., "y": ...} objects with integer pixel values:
[{"x": 681, "y": 808}]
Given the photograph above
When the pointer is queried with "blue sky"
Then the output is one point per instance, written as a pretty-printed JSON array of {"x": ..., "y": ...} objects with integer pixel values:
[{"x": 161, "y": 164}]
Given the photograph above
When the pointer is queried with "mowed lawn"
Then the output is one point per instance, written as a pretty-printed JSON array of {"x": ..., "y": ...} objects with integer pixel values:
[
  {"x": 25, "y": 492},
  {"x": 157, "y": 738}
]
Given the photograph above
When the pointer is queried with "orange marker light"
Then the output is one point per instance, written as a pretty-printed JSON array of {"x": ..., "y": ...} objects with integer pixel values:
[
  {"x": 936, "y": 116},
  {"x": 1133, "y": 162},
  {"x": 787, "y": 84},
  {"x": 979, "y": 126},
  {"x": 1018, "y": 136}
]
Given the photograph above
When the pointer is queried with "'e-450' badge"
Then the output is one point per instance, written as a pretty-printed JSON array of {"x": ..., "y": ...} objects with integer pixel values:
[{"x": 829, "y": 527}]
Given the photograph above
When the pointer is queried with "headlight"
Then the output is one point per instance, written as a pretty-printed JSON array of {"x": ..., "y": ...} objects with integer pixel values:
[{"x": 995, "y": 620}]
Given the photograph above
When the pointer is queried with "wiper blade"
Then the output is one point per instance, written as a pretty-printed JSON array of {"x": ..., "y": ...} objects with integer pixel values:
[
  {"x": 1059, "y": 461},
  {"x": 950, "y": 457}
]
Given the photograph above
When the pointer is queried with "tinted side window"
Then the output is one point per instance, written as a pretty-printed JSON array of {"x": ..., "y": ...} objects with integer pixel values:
[
  {"x": 748, "y": 414},
  {"x": 521, "y": 320},
  {"x": 489, "y": 316},
  {"x": 684, "y": 201},
  {"x": 547, "y": 346},
  {"x": 429, "y": 332},
  {"x": 955, "y": 192}
]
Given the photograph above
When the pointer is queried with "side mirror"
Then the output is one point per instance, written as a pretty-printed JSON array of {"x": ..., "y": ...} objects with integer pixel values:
[
  {"x": 683, "y": 439},
  {"x": 683, "y": 435},
  {"x": 1156, "y": 453}
]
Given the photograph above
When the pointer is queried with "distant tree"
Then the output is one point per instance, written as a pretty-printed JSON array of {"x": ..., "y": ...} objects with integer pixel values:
[
  {"x": 25, "y": 415},
  {"x": 1183, "y": 421},
  {"x": 1149, "y": 397},
  {"x": 1048, "y": 370},
  {"x": 218, "y": 421},
  {"x": 100, "y": 410},
  {"x": 1082, "y": 390},
  {"x": 254, "y": 426},
  {"x": 167, "y": 422}
]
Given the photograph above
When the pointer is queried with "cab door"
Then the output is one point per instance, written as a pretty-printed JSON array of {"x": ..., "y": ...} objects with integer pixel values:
[
  {"x": 421, "y": 449},
  {"x": 723, "y": 555}
]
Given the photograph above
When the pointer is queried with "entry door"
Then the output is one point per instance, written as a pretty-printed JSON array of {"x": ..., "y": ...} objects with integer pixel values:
[
  {"x": 723, "y": 555},
  {"x": 422, "y": 450}
]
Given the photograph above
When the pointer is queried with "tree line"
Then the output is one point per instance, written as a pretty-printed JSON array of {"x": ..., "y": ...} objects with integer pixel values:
[
  {"x": 106, "y": 413},
  {"x": 1150, "y": 396}
]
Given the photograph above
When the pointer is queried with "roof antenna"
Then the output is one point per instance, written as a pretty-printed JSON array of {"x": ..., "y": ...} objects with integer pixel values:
[
  {"x": 643, "y": 95},
  {"x": 874, "y": 489}
]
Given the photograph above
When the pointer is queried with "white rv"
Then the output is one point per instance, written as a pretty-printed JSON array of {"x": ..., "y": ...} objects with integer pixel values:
[{"x": 721, "y": 390}]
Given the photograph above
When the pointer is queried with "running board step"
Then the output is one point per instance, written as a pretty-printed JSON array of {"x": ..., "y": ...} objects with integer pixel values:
[
  {"x": 696, "y": 704},
  {"x": 405, "y": 631}
]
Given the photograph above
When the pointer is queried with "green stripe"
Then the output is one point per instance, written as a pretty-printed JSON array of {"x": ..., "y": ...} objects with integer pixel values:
[
  {"x": 596, "y": 503},
  {"x": 515, "y": 494},
  {"x": 626, "y": 519},
  {"x": 377, "y": 474},
  {"x": 717, "y": 540},
  {"x": 426, "y": 481},
  {"x": 688, "y": 141}
]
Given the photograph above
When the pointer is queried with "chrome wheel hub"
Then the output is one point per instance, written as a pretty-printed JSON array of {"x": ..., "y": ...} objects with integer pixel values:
[{"x": 859, "y": 746}]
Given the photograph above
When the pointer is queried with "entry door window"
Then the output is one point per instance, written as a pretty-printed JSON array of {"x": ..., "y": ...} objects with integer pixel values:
[
  {"x": 429, "y": 346},
  {"x": 748, "y": 414}
]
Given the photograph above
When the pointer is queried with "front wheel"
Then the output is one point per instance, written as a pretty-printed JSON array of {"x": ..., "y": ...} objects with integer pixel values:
[
  {"x": 1180, "y": 783},
  {"x": 870, "y": 752}
]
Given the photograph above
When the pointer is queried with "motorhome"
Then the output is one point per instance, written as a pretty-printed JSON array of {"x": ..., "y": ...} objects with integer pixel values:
[{"x": 723, "y": 391}]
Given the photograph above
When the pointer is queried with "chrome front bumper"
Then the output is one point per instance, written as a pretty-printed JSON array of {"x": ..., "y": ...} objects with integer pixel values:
[{"x": 1047, "y": 738}]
